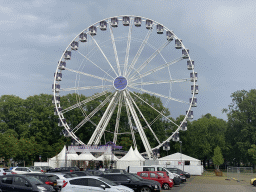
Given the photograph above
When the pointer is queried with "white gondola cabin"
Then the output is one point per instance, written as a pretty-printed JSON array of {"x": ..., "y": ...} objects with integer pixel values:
[
  {"x": 194, "y": 102},
  {"x": 126, "y": 21},
  {"x": 190, "y": 65},
  {"x": 185, "y": 53},
  {"x": 166, "y": 146},
  {"x": 193, "y": 77},
  {"x": 176, "y": 137},
  {"x": 184, "y": 127},
  {"x": 92, "y": 30},
  {"x": 159, "y": 29},
  {"x": 60, "y": 124},
  {"x": 169, "y": 35},
  {"x": 62, "y": 65},
  {"x": 103, "y": 25},
  {"x": 57, "y": 99},
  {"x": 190, "y": 115},
  {"x": 83, "y": 37},
  {"x": 114, "y": 22},
  {"x": 74, "y": 45},
  {"x": 149, "y": 24},
  {"x": 55, "y": 110},
  {"x": 178, "y": 43},
  {"x": 58, "y": 76},
  {"x": 137, "y": 21},
  {"x": 57, "y": 88},
  {"x": 67, "y": 55},
  {"x": 196, "y": 89}
]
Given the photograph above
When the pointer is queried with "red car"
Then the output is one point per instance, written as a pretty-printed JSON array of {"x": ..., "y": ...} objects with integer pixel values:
[{"x": 159, "y": 176}]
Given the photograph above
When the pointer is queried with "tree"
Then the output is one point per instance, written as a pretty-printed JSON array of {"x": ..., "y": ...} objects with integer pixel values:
[
  {"x": 203, "y": 136},
  {"x": 217, "y": 158},
  {"x": 241, "y": 130}
]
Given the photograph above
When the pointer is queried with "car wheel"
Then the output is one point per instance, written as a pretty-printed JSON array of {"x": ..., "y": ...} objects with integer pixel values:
[
  {"x": 165, "y": 186},
  {"x": 145, "y": 189},
  {"x": 254, "y": 183}
]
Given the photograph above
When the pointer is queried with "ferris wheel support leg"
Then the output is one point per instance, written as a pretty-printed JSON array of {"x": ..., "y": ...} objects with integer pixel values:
[
  {"x": 130, "y": 123},
  {"x": 95, "y": 133},
  {"x": 118, "y": 118},
  {"x": 105, "y": 123},
  {"x": 139, "y": 127}
]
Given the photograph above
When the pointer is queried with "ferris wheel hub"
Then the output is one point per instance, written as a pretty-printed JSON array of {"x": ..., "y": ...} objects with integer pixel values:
[{"x": 120, "y": 83}]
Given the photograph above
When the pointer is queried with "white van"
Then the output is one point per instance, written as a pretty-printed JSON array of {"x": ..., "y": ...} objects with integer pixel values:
[{"x": 135, "y": 169}]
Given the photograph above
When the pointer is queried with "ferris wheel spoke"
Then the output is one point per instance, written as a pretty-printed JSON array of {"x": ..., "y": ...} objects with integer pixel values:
[
  {"x": 118, "y": 118},
  {"x": 103, "y": 119},
  {"x": 139, "y": 127},
  {"x": 156, "y": 69},
  {"x": 128, "y": 48},
  {"x": 87, "y": 74},
  {"x": 130, "y": 124},
  {"x": 150, "y": 59},
  {"x": 106, "y": 121},
  {"x": 143, "y": 117},
  {"x": 153, "y": 108},
  {"x": 95, "y": 64},
  {"x": 139, "y": 52},
  {"x": 160, "y": 82},
  {"x": 159, "y": 95},
  {"x": 84, "y": 88},
  {"x": 87, "y": 118},
  {"x": 104, "y": 55},
  {"x": 84, "y": 101},
  {"x": 115, "y": 52}
]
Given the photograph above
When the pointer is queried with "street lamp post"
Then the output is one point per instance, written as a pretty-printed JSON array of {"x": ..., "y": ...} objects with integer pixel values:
[{"x": 182, "y": 164}]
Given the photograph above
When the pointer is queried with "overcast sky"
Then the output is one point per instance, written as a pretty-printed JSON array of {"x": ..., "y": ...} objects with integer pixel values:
[{"x": 219, "y": 34}]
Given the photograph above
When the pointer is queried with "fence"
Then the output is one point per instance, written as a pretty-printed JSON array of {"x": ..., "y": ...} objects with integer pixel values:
[{"x": 239, "y": 173}]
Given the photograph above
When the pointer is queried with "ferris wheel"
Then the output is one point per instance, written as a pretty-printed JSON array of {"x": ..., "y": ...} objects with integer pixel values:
[{"x": 123, "y": 58}]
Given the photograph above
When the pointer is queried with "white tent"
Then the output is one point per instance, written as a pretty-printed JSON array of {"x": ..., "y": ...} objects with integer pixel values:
[
  {"x": 107, "y": 156},
  {"x": 72, "y": 155},
  {"x": 183, "y": 162},
  {"x": 58, "y": 160},
  {"x": 85, "y": 156},
  {"x": 130, "y": 159},
  {"x": 136, "y": 152}
]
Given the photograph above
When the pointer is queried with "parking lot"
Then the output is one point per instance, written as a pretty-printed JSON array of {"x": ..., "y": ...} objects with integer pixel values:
[{"x": 213, "y": 184}]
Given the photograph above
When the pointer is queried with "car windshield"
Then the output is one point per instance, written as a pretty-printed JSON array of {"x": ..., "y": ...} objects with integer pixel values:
[
  {"x": 108, "y": 181},
  {"x": 34, "y": 180},
  {"x": 52, "y": 178},
  {"x": 6, "y": 170},
  {"x": 138, "y": 177},
  {"x": 133, "y": 178}
]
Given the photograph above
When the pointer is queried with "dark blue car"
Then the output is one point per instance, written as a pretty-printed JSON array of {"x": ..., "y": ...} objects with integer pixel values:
[{"x": 22, "y": 183}]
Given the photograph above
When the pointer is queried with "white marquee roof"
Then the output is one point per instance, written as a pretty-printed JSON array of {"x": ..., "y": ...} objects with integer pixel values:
[
  {"x": 136, "y": 152},
  {"x": 130, "y": 156},
  {"x": 178, "y": 157}
]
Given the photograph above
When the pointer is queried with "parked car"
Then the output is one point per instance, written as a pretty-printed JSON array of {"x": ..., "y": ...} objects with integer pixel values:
[
  {"x": 23, "y": 170},
  {"x": 93, "y": 184},
  {"x": 161, "y": 177},
  {"x": 253, "y": 181},
  {"x": 47, "y": 179},
  {"x": 41, "y": 168},
  {"x": 140, "y": 178},
  {"x": 64, "y": 169},
  {"x": 22, "y": 183},
  {"x": 79, "y": 173},
  {"x": 95, "y": 172},
  {"x": 115, "y": 171},
  {"x": 4, "y": 171},
  {"x": 179, "y": 172},
  {"x": 132, "y": 182},
  {"x": 61, "y": 177}
]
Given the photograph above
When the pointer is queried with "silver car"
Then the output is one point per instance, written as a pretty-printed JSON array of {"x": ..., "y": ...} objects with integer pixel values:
[
  {"x": 4, "y": 171},
  {"x": 93, "y": 184}
]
